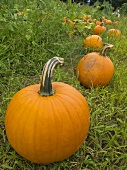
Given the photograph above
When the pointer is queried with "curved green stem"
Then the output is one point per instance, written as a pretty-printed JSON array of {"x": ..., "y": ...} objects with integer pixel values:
[
  {"x": 106, "y": 46},
  {"x": 46, "y": 85}
]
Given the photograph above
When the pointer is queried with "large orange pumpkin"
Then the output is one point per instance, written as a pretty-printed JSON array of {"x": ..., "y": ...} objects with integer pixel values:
[
  {"x": 93, "y": 41},
  {"x": 48, "y": 122},
  {"x": 94, "y": 69}
]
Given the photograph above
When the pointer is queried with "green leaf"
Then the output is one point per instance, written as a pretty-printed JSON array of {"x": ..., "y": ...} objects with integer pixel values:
[
  {"x": 11, "y": 28},
  {"x": 28, "y": 37},
  {"x": 7, "y": 166}
]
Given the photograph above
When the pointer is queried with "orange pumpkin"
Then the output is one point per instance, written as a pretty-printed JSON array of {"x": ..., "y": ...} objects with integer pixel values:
[
  {"x": 89, "y": 20},
  {"x": 98, "y": 22},
  {"x": 48, "y": 122},
  {"x": 103, "y": 18},
  {"x": 93, "y": 41},
  {"x": 116, "y": 23},
  {"x": 84, "y": 17},
  {"x": 94, "y": 69},
  {"x": 89, "y": 16},
  {"x": 99, "y": 29},
  {"x": 108, "y": 22},
  {"x": 114, "y": 32}
]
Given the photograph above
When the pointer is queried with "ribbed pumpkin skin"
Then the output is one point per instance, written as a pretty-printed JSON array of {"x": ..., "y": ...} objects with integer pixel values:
[
  {"x": 94, "y": 70},
  {"x": 114, "y": 32},
  {"x": 47, "y": 129},
  {"x": 93, "y": 41}
]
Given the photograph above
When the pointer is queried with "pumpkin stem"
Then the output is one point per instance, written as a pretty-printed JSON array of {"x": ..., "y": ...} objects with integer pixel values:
[
  {"x": 102, "y": 24},
  {"x": 107, "y": 46},
  {"x": 46, "y": 85},
  {"x": 100, "y": 19}
]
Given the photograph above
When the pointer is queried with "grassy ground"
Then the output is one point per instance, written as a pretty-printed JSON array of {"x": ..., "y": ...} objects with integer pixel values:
[{"x": 26, "y": 42}]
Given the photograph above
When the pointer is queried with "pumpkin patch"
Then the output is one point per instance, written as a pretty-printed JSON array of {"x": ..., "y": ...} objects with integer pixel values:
[{"x": 71, "y": 117}]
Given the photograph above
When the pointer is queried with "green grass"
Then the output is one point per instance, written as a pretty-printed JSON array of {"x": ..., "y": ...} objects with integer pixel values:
[{"x": 26, "y": 43}]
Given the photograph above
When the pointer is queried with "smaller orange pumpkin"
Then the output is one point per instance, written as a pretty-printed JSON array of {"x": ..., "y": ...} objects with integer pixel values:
[
  {"x": 93, "y": 41},
  {"x": 89, "y": 16},
  {"x": 114, "y": 32},
  {"x": 108, "y": 22},
  {"x": 103, "y": 18},
  {"x": 99, "y": 29},
  {"x": 116, "y": 23},
  {"x": 84, "y": 17},
  {"x": 94, "y": 69},
  {"x": 89, "y": 20},
  {"x": 98, "y": 22}
]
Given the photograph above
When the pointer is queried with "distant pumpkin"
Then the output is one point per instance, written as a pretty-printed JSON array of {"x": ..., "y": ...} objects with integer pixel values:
[
  {"x": 89, "y": 16},
  {"x": 114, "y": 32},
  {"x": 116, "y": 23},
  {"x": 99, "y": 29},
  {"x": 108, "y": 22},
  {"x": 98, "y": 22},
  {"x": 93, "y": 41},
  {"x": 94, "y": 69},
  {"x": 84, "y": 17}
]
